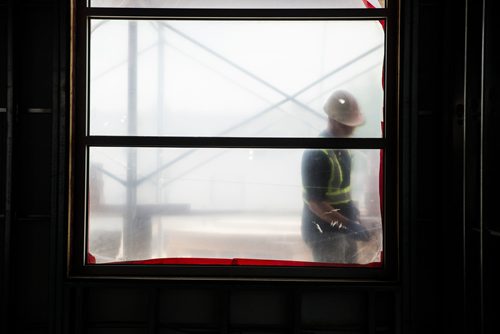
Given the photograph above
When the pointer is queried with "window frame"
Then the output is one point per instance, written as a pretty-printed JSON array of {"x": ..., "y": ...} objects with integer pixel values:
[{"x": 81, "y": 141}]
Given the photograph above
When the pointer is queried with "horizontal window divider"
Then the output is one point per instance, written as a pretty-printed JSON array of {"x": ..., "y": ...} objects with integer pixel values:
[
  {"x": 237, "y": 13},
  {"x": 358, "y": 276},
  {"x": 235, "y": 142}
]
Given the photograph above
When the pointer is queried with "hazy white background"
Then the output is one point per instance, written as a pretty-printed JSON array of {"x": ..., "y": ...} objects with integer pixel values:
[{"x": 223, "y": 78}]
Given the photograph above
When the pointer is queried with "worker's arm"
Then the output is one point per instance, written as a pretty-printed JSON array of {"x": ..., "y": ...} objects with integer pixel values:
[
  {"x": 332, "y": 216},
  {"x": 328, "y": 213}
]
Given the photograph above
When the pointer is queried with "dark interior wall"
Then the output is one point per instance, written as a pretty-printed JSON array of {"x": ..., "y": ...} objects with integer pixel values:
[
  {"x": 27, "y": 155},
  {"x": 437, "y": 134},
  {"x": 430, "y": 296},
  {"x": 472, "y": 168},
  {"x": 3, "y": 136},
  {"x": 3, "y": 121},
  {"x": 491, "y": 220}
]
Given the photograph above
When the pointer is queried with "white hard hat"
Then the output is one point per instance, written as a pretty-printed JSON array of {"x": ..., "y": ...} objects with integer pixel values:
[{"x": 343, "y": 107}]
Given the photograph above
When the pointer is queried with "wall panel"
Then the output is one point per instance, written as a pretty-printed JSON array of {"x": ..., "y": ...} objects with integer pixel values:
[
  {"x": 3, "y": 103},
  {"x": 30, "y": 272},
  {"x": 334, "y": 309},
  {"x": 33, "y": 162},
  {"x": 119, "y": 330},
  {"x": 34, "y": 52},
  {"x": 33, "y": 102},
  {"x": 117, "y": 305},
  {"x": 272, "y": 308},
  {"x": 191, "y": 306},
  {"x": 491, "y": 177}
]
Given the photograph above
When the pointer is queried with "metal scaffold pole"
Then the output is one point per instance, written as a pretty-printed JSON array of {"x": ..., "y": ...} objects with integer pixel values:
[{"x": 137, "y": 227}]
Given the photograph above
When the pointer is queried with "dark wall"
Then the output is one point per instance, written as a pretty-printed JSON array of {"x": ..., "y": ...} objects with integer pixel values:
[
  {"x": 437, "y": 233},
  {"x": 442, "y": 237},
  {"x": 490, "y": 222}
]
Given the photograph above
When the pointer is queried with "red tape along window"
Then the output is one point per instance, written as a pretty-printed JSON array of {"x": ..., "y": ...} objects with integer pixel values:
[{"x": 237, "y": 262}]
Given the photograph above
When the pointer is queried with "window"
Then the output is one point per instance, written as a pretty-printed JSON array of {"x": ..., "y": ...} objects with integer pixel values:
[{"x": 195, "y": 124}]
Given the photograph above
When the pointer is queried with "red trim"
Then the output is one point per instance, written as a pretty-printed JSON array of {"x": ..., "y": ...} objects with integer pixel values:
[
  {"x": 243, "y": 262},
  {"x": 369, "y": 5},
  {"x": 280, "y": 263},
  {"x": 381, "y": 177},
  {"x": 90, "y": 258},
  {"x": 182, "y": 261}
]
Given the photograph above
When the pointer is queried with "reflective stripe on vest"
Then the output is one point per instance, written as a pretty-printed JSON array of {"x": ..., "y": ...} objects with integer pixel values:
[{"x": 335, "y": 193}]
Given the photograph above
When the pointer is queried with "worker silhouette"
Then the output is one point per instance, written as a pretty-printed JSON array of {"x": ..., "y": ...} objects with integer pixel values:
[{"x": 330, "y": 219}]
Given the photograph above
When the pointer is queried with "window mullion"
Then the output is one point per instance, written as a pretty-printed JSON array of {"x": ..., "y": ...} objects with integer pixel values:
[
  {"x": 235, "y": 142},
  {"x": 237, "y": 13}
]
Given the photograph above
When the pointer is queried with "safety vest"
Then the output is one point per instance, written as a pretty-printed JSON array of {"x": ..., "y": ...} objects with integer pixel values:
[{"x": 336, "y": 193}]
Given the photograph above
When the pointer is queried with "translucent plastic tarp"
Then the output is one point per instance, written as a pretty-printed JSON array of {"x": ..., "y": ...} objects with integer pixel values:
[
  {"x": 282, "y": 4},
  {"x": 231, "y": 78},
  {"x": 215, "y": 205}
]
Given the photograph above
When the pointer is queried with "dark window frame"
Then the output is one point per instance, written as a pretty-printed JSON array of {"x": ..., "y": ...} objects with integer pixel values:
[{"x": 81, "y": 141}]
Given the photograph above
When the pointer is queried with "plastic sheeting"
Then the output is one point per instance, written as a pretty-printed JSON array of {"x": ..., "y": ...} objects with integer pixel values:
[{"x": 214, "y": 206}]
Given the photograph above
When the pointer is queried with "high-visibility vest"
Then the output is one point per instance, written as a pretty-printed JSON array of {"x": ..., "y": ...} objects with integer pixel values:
[{"x": 336, "y": 192}]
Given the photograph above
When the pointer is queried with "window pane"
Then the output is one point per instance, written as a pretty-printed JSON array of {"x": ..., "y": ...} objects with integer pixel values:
[
  {"x": 231, "y": 78},
  {"x": 238, "y": 3},
  {"x": 222, "y": 204}
]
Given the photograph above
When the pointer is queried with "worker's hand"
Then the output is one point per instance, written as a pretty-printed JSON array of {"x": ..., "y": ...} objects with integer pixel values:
[{"x": 358, "y": 231}]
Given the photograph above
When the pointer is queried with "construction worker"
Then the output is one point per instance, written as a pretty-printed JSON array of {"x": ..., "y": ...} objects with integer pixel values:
[{"x": 330, "y": 219}]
